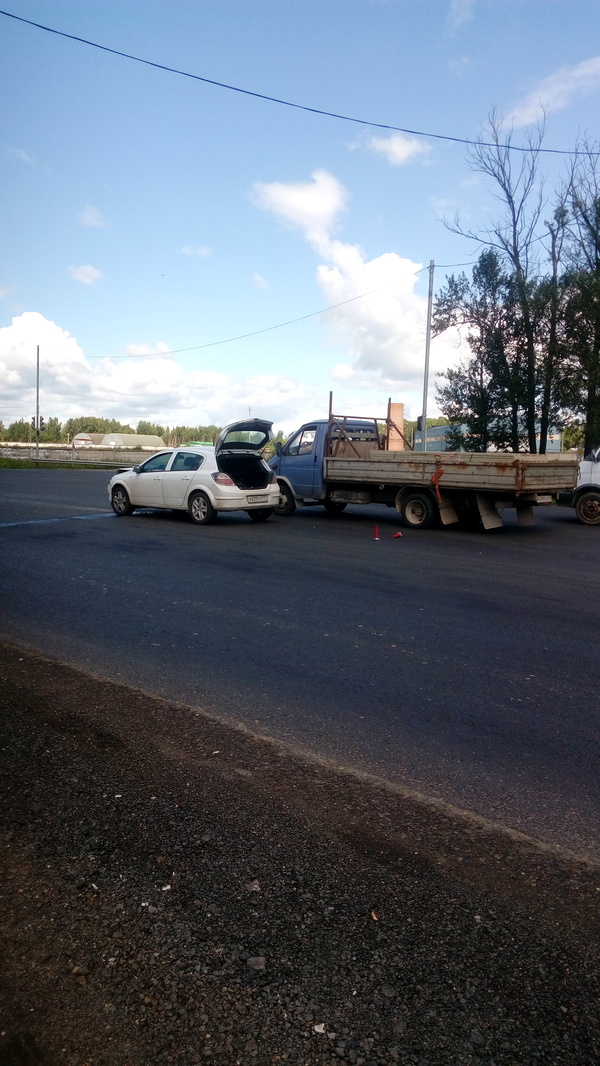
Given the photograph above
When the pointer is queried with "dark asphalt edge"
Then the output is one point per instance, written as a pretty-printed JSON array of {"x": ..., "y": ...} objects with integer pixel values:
[{"x": 378, "y": 819}]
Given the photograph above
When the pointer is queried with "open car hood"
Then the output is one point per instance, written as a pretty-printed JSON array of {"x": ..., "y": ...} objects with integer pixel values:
[{"x": 248, "y": 437}]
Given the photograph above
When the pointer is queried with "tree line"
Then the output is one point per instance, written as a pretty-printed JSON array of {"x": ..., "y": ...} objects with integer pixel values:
[
  {"x": 531, "y": 309},
  {"x": 57, "y": 432}
]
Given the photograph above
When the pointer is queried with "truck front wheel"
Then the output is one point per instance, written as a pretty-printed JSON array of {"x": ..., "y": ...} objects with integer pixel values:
[
  {"x": 418, "y": 510},
  {"x": 286, "y": 505},
  {"x": 587, "y": 508}
]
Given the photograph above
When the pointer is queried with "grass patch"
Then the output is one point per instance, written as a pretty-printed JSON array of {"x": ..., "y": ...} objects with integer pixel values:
[{"x": 31, "y": 464}]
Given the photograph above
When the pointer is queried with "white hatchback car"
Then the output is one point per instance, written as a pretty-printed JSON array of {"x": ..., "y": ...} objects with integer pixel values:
[{"x": 202, "y": 479}]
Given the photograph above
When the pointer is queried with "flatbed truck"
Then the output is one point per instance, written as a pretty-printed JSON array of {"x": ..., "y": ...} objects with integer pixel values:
[{"x": 347, "y": 460}]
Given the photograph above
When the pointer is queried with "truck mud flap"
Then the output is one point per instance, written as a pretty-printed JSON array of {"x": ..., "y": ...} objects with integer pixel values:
[
  {"x": 525, "y": 514},
  {"x": 448, "y": 513},
  {"x": 487, "y": 510}
]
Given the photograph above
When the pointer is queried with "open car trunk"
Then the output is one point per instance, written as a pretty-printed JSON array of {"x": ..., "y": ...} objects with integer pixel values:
[
  {"x": 248, "y": 471},
  {"x": 238, "y": 453}
]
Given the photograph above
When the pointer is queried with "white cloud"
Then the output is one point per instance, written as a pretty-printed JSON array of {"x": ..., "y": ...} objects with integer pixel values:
[
  {"x": 86, "y": 274},
  {"x": 312, "y": 206},
  {"x": 259, "y": 282},
  {"x": 201, "y": 250},
  {"x": 398, "y": 149},
  {"x": 461, "y": 11},
  {"x": 21, "y": 154},
  {"x": 555, "y": 92},
  {"x": 155, "y": 388},
  {"x": 91, "y": 217},
  {"x": 382, "y": 324}
]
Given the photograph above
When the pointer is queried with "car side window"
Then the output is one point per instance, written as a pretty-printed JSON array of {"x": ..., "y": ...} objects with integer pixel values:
[
  {"x": 156, "y": 463},
  {"x": 187, "y": 461},
  {"x": 303, "y": 442}
]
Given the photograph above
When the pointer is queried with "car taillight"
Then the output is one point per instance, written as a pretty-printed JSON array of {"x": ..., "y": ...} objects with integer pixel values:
[
  {"x": 273, "y": 477},
  {"x": 222, "y": 479}
]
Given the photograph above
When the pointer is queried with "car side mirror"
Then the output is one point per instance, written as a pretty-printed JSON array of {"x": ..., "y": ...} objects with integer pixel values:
[
  {"x": 136, "y": 469},
  {"x": 278, "y": 448}
]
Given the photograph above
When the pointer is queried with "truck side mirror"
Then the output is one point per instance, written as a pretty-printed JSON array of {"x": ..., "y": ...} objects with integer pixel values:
[{"x": 278, "y": 448}]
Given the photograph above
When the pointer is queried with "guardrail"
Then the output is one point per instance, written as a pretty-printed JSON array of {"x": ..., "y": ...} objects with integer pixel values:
[{"x": 90, "y": 455}]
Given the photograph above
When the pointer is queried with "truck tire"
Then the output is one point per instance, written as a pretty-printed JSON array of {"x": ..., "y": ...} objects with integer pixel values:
[
  {"x": 587, "y": 508},
  {"x": 333, "y": 507},
  {"x": 287, "y": 504},
  {"x": 260, "y": 514},
  {"x": 418, "y": 510}
]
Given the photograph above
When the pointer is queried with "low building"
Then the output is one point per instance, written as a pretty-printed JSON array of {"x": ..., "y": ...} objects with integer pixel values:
[{"x": 117, "y": 440}]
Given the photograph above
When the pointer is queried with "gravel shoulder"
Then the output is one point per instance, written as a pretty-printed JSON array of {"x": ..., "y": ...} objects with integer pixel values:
[{"x": 175, "y": 890}]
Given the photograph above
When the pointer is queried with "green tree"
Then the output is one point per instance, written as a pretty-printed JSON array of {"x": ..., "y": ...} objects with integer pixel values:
[
  {"x": 151, "y": 429},
  {"x": 582, "y": 293},
  {"x": 52, "y": 432},
  {"x": 21, "y": 431},
  {"x": 91, "y": 424},
  {"x": 487, "y": 393}
]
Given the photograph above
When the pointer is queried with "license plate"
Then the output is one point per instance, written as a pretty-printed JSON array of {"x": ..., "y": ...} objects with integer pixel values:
[{"x": 257, "y": 499}]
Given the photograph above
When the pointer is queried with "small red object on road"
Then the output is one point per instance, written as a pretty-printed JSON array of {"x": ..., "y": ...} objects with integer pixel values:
[
  {"x": 376, "y": 537},
  {"x": 395, "y": 535}
]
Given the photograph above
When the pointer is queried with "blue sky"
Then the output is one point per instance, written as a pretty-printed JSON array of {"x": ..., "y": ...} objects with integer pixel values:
[{"x": 144, "y": 212}]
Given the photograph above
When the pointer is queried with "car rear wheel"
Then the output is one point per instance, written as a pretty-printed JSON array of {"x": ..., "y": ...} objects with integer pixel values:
[
  {"x": 260, "y": 514},
  {"x": 201, "y": 509},
  {"x": 418, "y": 510},
  {"x": 287, "y": 504},
  {"x": 120, "y": 502},
  {"x": 587, "y": 508}
]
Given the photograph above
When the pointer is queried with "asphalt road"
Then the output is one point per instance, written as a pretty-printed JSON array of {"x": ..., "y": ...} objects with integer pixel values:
[{"x": 459, "y": 664}]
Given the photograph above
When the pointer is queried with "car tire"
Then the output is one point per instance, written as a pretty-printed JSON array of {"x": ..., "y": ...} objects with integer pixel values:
[
  {"x": 287, "y": 504},
  {"x": 418, "y": 510},
  {"x": 587, "y": 508},
  {"x": 120, "y": 502},
  {"x": 201, "y": 509},
  {"x": 334, "y": 508},
  {"x": 260, "y": 514}
]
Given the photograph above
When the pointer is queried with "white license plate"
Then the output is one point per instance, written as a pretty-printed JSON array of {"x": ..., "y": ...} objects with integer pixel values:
[{"x": 257, "y": 499}]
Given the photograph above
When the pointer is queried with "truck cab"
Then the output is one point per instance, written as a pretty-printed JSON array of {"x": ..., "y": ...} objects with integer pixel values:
[
  {"x": 299, "y": 465},
  {"x": 586, "y": 497}
]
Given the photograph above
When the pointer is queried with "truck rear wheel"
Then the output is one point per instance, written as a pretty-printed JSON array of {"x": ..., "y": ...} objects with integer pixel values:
[
  {"x": 587, "y": 508},
  {"x": 418, "y": 510},
  {"x": 333, "y": 507},
  {"x": 286, "y": 504}
]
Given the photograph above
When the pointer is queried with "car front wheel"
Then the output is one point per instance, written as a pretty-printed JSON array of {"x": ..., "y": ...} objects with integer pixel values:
[
  {"x": 587, "y": 508},
  {"x": 120, "y": 502},
  {"x": 201, "y": 509}
]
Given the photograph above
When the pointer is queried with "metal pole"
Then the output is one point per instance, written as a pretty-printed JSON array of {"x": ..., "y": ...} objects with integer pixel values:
[
  {"x": 427, "y": 347},
  {"x": 37, "y": 404}
]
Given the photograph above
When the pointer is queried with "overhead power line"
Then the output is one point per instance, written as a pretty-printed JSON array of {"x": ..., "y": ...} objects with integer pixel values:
[
  {"x": 240, "y": 336},
  {"x": 288, "y": 103}
]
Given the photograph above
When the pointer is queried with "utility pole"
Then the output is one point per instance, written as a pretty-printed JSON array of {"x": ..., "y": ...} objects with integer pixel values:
[
  {"x": 427, "y": 347},
  {"x": 37, "y": 405}
]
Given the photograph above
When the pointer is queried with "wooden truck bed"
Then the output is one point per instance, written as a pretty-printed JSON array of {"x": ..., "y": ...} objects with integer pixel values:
[{"x": 479, "y": 471}]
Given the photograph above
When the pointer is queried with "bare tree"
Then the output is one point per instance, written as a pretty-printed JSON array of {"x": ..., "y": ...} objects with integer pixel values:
[{"x": 513, "y": 235}]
